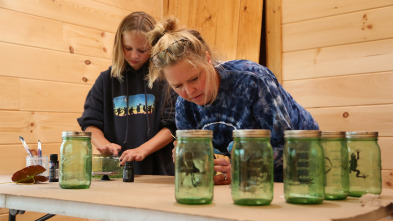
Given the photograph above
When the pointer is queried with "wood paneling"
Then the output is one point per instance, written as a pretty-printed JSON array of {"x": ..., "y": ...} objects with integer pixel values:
[
  {"x": 231, "y": 28},
  {"x": 86, "y": 13},
  {"x": 387, "y": 179},
  {"x": 274, "y": 37},
  {"x": 249, "y": 35},
  {"x": 33, "y": 126},
  {"x": 50, "y": 65},
  {"x": 298, "y": 10},
  {"x": 356, "y": 118},
  {"x": 38, "y": 95},
  {"x": 41, "y": 32},
  {"x": 225, "y": 43},
  {"x": 152, "y": 7},
  {"x": 9, "y": 87},
  {"x": 349, "y": 59},
  {"x": 386, "y": 144},
  {"x": 373, "y": 24},
  {"x": 206, "y": 19},
  {"x": 364, "y": 89}
]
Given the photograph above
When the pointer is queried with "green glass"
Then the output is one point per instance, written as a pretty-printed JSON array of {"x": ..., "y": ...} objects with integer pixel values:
[
  {"x": 304, "y": 172},
  {"x": 252, "y": 168},
  {"x": 194, "y": 167},
  {"x": 336, "y": 165},
  {"x": 75, "y": 160},
  {"x": 364, "y": 163}
]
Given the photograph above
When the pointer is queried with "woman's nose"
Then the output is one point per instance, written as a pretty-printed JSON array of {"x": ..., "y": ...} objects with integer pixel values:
[{"x": 189, "y": 90}]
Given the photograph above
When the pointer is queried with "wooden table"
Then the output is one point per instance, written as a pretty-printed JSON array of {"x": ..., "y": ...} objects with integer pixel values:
[{"x": 152, "y": 198}]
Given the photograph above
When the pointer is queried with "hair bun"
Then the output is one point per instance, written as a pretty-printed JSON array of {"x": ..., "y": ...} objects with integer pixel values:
[{"x": 170, "y": 24}]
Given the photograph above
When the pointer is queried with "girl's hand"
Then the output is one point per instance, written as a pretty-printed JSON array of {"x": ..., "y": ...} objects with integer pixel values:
[
  {"x": 110, "y": 149},
  {"x": 136, "y": 154}
]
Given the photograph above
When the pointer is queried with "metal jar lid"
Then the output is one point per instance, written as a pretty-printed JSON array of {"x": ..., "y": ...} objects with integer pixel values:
[
  {"x": 302, "y": 133},
  {"x": 251, "y": 133},
  {"x": 75, "y": 134},
  {"x": 333, "y": 134},
  {"x": 194, "y": 133},
  {"x": 362, "y": 134}
]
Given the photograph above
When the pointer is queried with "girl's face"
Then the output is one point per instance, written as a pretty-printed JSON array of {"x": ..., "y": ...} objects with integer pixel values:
[
  {"x": 136, "y": 49},
  {"x": 189, "y": 82}
]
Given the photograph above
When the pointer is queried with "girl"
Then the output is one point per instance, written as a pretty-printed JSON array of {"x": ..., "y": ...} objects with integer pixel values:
[{"x": 124, "y": 115}]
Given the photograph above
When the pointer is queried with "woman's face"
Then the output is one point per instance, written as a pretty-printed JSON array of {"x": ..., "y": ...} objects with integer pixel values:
[
  {"x": 189, "y": 82},
  {"x": 136, "y": 49}
]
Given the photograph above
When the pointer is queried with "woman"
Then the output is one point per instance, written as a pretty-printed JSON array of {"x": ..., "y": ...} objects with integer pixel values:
[
  {"x": 123, "y": 114},
  {"x": 224, "y": 96}
]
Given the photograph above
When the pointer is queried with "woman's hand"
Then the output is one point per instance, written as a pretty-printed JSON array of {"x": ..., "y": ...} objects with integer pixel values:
[
  {"x": 110, "y": 149},
  {"x": 223, "y": 169},
  {"x": 136, "y": 154}
]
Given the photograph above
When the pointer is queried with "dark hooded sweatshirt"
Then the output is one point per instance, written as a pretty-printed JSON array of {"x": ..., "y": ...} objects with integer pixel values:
[{"x": 130, "y": 124}]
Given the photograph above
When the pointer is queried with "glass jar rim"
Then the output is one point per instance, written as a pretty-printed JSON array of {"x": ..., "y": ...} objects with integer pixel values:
[
  {"x": 251, "y": 133},
  {"x": 361, "y": 134},
  {"x": 332, "y": 134},
  {"x": 76, "y": 134},
  {"x": 194, "y": 133},
  {"x": 302, "y": 133}
]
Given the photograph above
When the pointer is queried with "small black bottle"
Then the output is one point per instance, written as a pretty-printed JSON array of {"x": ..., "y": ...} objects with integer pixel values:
[
  {"x": 53, "y": 168},
  {"x": 128, "y": 171}
]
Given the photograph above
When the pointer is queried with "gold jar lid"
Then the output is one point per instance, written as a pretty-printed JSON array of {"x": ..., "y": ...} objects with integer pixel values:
[
  {"x": 302, "y": 133},
  {"x": 251, "y": 133},
  {"x": 333, "y": 134},
  {"x": 194, "y": 133},
  {"x": 75, "y": 134},
  {"x": 362, "y": 134}
]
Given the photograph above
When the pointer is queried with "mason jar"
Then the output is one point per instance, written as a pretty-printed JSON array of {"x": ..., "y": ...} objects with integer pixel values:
[
  {"x": 304, "y": 172},
  {"x": 252, "y": 167},
  {"x": 194, "y": 167},
  {"x": 75, "y": 160},
  {"x": 364, "y": 163},
  {"x": 336, "y": 165}
]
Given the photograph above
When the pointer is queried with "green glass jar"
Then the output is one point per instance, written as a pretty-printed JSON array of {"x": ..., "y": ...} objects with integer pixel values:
[
  {"x": 75, "y": 160},
  {"x": 252, "y": 168},
  {"x": 194, "y": 167},
  {"x": 364, "y": 163},
  {"x": 336, "y": 165},
  {"x": 304, "y": 170}
]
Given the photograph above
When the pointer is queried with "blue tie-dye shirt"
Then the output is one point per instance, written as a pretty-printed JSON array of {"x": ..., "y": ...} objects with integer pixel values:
[{"x": 249, "y": 97}]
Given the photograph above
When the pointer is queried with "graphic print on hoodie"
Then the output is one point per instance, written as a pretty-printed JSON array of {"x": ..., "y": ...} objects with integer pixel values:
[{"x": 136, "y": 105}]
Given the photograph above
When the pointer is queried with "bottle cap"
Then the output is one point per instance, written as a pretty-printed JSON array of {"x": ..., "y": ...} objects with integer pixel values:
[
  {"x": 53, "y": 157},
  {"x": 129, "y": 164}
]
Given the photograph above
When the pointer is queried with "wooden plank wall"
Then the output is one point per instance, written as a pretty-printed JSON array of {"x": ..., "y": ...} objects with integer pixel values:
[
  {"x": 232, "y": 28},
  {"x": 338, "y": 63},
  {"x": 51, "y": 52}
]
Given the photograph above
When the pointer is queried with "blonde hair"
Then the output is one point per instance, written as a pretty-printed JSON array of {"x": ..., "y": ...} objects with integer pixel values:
[
  {"x": 137, "y": 21},
  {"x": 169, "y": 34}
]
